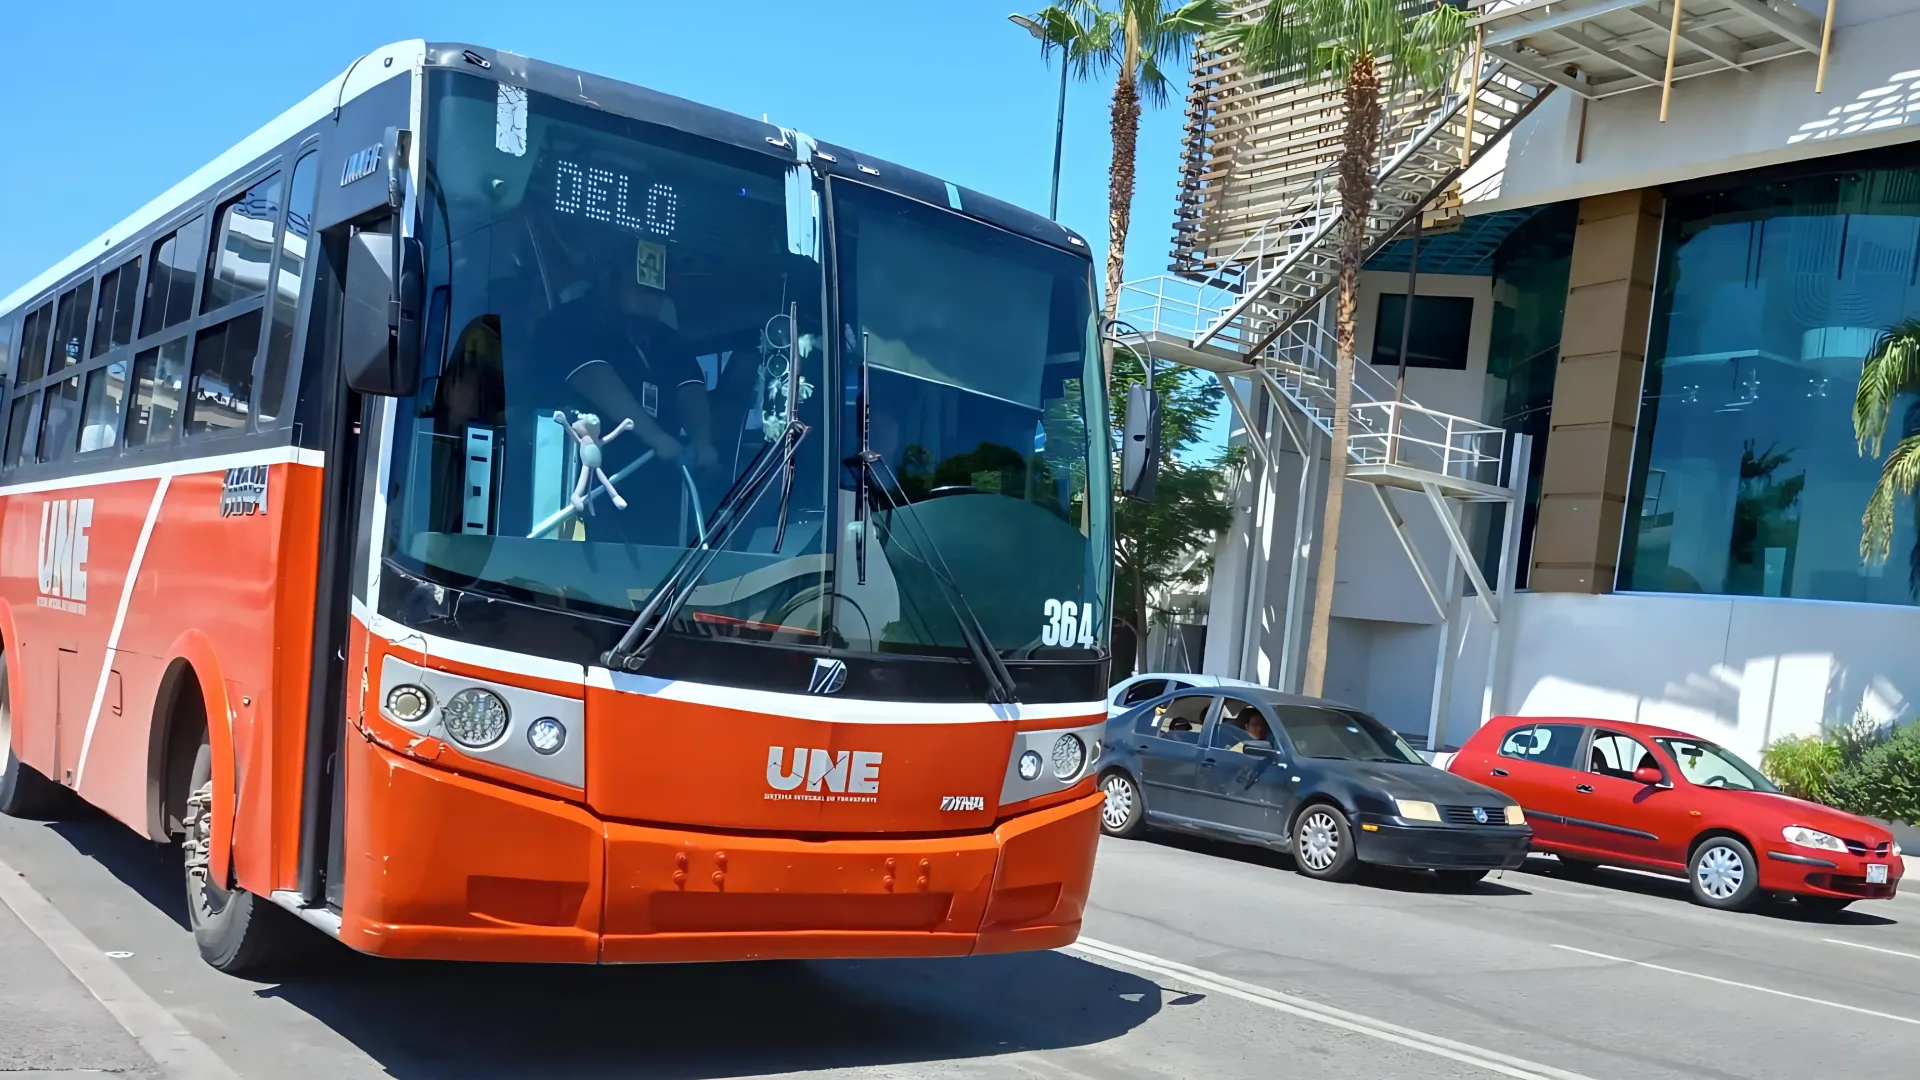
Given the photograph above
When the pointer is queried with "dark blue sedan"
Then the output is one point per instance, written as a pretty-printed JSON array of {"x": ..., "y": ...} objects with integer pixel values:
[{"x": 1326, "y": 782}]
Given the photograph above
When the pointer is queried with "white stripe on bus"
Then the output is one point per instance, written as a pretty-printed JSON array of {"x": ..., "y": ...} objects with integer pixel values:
[
  {"x": 119, "y": 621},
  {"x": 272, "y": 455}
]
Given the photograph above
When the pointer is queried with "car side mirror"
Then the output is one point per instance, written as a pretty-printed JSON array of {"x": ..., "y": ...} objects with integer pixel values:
[
  {"x": 1260, "y": 750},
  {"x": 1647, "y": 774}
]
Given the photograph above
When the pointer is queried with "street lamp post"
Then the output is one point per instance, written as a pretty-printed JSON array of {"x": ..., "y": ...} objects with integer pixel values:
[{"x": 1060, "y": 112}]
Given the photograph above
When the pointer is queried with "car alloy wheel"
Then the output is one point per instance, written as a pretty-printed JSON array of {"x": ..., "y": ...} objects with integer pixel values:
[
  {"x": 1318, "y": 843},
  {"x": 1720, "y": 872},
  {"x": 1118, "y": 809}
]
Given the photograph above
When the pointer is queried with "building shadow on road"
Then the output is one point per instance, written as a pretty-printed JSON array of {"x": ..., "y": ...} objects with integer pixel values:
[
  {"x": 1677, "y": 890},
  {"x": 451, "y": 1021},
  {"x": 1369, "y": 877}
]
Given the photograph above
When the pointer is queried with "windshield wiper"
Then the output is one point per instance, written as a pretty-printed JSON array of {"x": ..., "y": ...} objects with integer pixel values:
[
  {"x": 1000, "y": 683},
  {"x": 728, "y": 515}
]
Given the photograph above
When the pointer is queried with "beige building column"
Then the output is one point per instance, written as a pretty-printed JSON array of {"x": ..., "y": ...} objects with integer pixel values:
[{"x": 1596, "y": 393}]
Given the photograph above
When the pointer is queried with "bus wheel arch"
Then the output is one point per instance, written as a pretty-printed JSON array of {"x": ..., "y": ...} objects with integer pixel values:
[{"x": 192, "y": 700}]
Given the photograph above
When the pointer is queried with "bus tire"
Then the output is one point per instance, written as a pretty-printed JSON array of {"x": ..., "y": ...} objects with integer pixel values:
[
  {"x": 24, "y": 791},
  {"x": 236, "y": 931}
]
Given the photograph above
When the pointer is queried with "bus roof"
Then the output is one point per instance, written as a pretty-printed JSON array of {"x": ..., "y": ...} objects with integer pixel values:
[{"x": 384, "y": 63}]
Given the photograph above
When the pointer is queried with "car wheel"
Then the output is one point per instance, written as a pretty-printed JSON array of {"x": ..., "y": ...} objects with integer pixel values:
[
  {"x": 1822, "y": 905},
  {"x": 1124, "y": 810},
  {"x": 1323, "y": 843},
  {"x": 1723, "y": 875},
  {"x": 24, "y": 791},
  {"x": 1460, "y": 879},
  {"x": 236, "y": 931}
]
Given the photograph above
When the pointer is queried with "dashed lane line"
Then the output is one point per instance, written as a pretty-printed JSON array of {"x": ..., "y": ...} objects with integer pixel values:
[
  {"x": 1871, "y": 948},
  {"x": 159, "y": 1032},
  {"x": 1741, "y": 985},
  {"x": 1305, "y": 1009}
]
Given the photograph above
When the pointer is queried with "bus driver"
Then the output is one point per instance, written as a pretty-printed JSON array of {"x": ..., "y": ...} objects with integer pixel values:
[{"x": 616, "y": 334}]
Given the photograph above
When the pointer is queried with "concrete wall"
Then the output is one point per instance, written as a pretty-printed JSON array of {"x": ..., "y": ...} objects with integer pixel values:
[
  {"x": 1720, "y": 123},
  {"x": 1741, "y": 671}
]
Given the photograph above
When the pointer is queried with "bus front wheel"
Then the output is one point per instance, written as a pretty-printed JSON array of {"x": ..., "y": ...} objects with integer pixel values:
[{"x": 236, "y": 931}]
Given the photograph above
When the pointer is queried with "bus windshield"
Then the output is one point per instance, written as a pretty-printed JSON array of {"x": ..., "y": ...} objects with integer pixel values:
[{"x": 622, "y": 316}]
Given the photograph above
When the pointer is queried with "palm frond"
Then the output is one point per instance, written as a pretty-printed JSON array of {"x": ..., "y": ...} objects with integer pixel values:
[
  {"x": 1321, "y": 39},
  {"x": 1899, "y": 474},
  {"x": 1890, "y": 370}
]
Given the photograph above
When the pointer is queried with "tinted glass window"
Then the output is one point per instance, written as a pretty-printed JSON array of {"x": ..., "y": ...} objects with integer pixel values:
[
  {"x": 286, "y": 289},
  {"x": 1241, "y": 728},
  {"x": 223, "y": 375},
  {"x": 1617, "y": 755},
  {"x": 1180, "y": 719},
  {"x": 70, "y": 327},
  {"x": 33, "y": 344},
  {"x": 1548, "y": 744},
  {"x": 237, "y": 264},
  {"x": 113, "y": 316},
  {"x": 159, "y": 377},
  {"x": 1341, "y": 734},
  {"x": 59, "y": 420},
  {"x": 173, "y": 267},
  {"x": 1144, "y": 690},
  {"x": 101, "y": 406},
  {"x": 1441, "y": 326},
  {"x": 25, "y": 417}
]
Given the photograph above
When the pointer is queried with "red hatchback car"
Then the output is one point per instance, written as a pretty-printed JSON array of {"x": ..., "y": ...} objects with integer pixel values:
[{"x": 1651, "y": 798}]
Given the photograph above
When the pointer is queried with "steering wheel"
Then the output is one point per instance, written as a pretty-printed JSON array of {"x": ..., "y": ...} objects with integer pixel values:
[{"x": 1716, "y": 781}]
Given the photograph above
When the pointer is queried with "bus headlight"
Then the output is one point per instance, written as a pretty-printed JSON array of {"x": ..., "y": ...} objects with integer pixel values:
[
  {"x": 1069, "y": 754},
  {"x": 1030, "y": 765},
  {"x": 408, "y": 703},
  {"x": 475, "y": 717},
  {"x": 546, "y": 735}
]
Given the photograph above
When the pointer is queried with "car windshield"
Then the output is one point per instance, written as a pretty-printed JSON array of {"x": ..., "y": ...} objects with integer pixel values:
[
  {"x": 621, "y": 316},
  {"x": 1708, "y": 765},
  {"x": 1344, "y": 734}
]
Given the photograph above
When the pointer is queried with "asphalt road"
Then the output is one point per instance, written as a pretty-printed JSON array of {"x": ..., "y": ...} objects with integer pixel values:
[{"x": 1199, "y": 961}]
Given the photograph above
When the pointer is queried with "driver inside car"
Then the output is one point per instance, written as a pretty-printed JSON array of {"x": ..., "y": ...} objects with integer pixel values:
[{"x": 617, "y": 352}]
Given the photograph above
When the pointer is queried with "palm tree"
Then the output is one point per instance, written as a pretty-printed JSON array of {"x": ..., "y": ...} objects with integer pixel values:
[
  {"x": 1893, "y": 368},
  {"x": 1139, "y": 40},
  {"x": 1348, "y": 42}
]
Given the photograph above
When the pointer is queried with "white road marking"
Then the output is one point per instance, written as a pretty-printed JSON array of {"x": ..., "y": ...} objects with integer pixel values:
[
  {"x": 158, "y": 1031},
  {"x": 1871, "y": 948},
  {"x": 1492, "y": 1061},
  {"x": 1741, "y": 985},
  {"x": 119, "y": 621}
]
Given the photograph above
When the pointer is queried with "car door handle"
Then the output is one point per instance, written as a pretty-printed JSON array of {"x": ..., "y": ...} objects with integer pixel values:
[
  {"x": 1499, "y": 772},
  {"x": 1586, "y": 789},
  {"x": 1207, "y": 763}
]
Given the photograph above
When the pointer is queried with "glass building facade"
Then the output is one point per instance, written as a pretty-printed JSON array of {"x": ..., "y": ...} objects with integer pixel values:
[{"x": 1747, "y": 479}]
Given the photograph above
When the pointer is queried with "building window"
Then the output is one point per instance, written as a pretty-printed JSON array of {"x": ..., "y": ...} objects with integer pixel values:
[
  {"x": 1441, "y": 326},
  {"x": 1747, "y": 479}
]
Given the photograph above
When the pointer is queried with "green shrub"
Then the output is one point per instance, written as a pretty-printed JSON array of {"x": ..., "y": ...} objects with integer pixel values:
[
  {"x": 1802, "y": 765},
  {"x": 1885, "y": 781}
]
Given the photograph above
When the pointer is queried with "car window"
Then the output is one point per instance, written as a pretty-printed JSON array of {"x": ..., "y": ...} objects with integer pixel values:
[
  {"x": 1708, "y": 765},
  {"x": 1241, "y": 728},
  {"x": 1340, "y": 733},
  {"x": 1548, "y": 744},
  {"x": 1617, "y": 755},
  {"x": 1176, "y": 684},
  {"x": 1179, "y": 719},
  {"x": 1144, "y": 690}
]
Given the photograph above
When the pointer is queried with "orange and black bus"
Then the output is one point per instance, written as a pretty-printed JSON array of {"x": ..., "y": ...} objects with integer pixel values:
[{"x": 497, "y": 512}]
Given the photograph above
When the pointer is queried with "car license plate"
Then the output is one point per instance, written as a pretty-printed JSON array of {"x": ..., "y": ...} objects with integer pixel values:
[{"x": 1876, "y": 873}]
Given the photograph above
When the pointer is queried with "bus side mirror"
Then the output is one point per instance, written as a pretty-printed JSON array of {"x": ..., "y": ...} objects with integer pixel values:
[
  {"x": 380, "y": 342},
  {"x": 1140, "y": 448}
]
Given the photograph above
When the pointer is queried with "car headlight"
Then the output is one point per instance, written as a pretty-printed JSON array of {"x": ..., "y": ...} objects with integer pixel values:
[
  {"x": 475, "y": 717},
  {"x": 1030, "y": 765},
  {"x": 1813, "y": 838},
  {"x": 1417, "y": 810},
  {"x": 1516, "y": 816},
  {"x": 1069, "y": 753}
]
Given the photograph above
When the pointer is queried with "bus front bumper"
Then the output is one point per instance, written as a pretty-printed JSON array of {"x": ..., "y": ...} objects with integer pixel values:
[{"x": 441, "y": 866}]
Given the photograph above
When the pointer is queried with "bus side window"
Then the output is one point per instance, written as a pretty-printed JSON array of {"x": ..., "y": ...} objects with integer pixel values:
[{"x": 287, "y": 275}]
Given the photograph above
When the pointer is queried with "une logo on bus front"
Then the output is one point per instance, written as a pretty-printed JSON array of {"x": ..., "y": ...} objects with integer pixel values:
[{"x": 827, "y": 775}]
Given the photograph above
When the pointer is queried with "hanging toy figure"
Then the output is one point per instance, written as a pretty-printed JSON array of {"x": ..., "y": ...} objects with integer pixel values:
[{"x": 586, "y": 429}]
